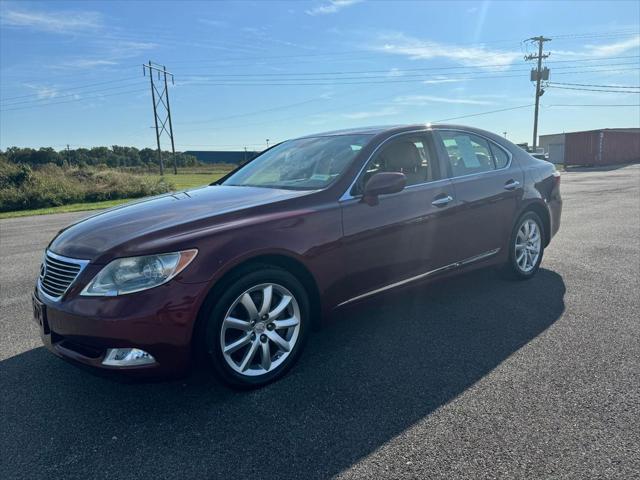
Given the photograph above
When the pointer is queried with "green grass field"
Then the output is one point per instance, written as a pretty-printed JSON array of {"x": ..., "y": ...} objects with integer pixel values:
[{"x": 184, "y": 180}]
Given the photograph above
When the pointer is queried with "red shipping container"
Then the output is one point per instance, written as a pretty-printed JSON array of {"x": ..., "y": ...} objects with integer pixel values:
[{"x": 602, "y": 147}]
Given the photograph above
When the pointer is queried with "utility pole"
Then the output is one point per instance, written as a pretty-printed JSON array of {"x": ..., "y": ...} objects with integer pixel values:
[
  {"x": 245, "y": 156},
  {"x": 538, "y": 75},
  {"x": 161, "y": 116}
]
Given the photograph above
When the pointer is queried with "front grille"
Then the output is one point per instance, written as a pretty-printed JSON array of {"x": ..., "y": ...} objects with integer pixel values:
[{"x": 58, "y": 273}]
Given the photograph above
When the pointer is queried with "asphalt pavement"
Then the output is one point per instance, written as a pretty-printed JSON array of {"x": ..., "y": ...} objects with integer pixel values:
[{"x": 473, "y": 377}]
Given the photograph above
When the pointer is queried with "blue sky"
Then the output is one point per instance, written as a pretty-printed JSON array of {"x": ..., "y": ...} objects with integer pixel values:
[{"x": 247, "y": 71}]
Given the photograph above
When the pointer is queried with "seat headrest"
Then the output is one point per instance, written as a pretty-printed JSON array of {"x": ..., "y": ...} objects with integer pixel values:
[{"x": 402, "y": 156}]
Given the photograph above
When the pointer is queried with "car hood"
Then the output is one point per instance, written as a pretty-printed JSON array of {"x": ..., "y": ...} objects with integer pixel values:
[{"x": 129, "y": 224}]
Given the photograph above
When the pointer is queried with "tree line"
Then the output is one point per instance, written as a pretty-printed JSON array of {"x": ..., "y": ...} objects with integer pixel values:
[{"x": 114, "y": 157}]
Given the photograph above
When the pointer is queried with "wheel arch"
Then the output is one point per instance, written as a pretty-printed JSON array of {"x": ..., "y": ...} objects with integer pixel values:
[
  {"x": 542, "y": 211},
  {"x": 286, "y": 262}
]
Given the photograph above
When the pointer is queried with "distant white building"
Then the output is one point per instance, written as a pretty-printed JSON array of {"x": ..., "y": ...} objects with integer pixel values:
[{"x": 553, "y": 145}]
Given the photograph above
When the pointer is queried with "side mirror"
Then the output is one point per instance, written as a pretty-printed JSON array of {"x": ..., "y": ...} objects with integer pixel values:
[{"x": 383, "y": 183}]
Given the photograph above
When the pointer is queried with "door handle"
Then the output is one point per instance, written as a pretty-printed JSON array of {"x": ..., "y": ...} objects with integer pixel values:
[
  {"x": 442, "y": 201},
  {"x": 511, "y": 185}
]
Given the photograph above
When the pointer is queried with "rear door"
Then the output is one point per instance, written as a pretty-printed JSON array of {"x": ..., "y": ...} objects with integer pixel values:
[
  {"x": 487, "y": 186},
  {"x": 407, "y": 233}
]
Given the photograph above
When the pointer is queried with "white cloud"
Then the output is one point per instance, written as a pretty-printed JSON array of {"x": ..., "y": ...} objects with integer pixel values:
[
  {"x": 429, "y": 99},
  {"x": 383, "y": 112},
  {"x": 616, "y": 48},
  {"x": 117, "y": 50},
  {"x": 395, "y": 72},
  {"x": 600, "y": 50},
  {"x": 129, "y": 49},
  {"x": 442, "y": 79},
  {"x": 87, "y": 63},
  {"x": 416, "y": 49},
  {"x": 43, "y": 91},
  {"x": 59, "y": 22},
  {"x": 332, "y": 6}
]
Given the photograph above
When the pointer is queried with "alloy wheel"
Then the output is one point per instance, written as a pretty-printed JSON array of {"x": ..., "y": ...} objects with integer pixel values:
[
  {"x": 528, "y": 245},
  {"x": 260, "y": 329}
]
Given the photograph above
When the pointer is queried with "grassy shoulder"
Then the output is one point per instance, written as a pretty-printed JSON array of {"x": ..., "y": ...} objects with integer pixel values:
[
  {"x": 185, "y": 179},
  {"x": 72, "y": 207}
]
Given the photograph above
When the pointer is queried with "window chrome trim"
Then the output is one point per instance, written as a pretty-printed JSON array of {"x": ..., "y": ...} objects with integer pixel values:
[
  {"x": 451, "y": 266},
  {"x": 509, "y": 154},
  {"x": 81, "y": 263},
  {"x": 347, "y": 194},
  {"x": 432, "y": 128}
]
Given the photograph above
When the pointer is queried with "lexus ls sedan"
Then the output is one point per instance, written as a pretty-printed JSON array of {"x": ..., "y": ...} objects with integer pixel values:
[{"x": 239, "y": 272}]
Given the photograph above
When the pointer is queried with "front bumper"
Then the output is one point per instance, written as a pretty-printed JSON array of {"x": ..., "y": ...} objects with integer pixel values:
[{"x": 159, "y": 321}]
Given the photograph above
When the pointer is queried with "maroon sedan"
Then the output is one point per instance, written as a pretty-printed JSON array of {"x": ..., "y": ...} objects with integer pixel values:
[{"x": 241, "y": 270}]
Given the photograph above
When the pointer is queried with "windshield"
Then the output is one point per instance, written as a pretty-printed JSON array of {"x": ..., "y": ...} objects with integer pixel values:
[{"x": 302, "y": 164}]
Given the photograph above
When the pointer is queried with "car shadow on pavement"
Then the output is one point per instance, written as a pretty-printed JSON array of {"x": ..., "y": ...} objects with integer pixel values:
[{"x": 375, "y": 371}]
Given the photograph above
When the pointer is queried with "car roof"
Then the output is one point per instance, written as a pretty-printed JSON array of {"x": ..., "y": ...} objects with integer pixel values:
[{"x": 392, "y": 129}]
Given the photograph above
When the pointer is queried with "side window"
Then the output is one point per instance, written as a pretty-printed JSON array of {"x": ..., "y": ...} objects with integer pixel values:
[
  {"x": 467, "y": 153},
  {"x": 499, "y": 156},
  {"x": 408, "y": 154}
]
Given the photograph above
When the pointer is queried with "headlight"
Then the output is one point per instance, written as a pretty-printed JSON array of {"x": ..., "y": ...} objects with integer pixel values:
[{"x": 133, "y": 274}]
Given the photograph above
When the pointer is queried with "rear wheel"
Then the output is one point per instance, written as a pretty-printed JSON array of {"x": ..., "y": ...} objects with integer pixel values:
[
  {"x": 255, "y": 332},
  {"x": 526, "y": 247}
]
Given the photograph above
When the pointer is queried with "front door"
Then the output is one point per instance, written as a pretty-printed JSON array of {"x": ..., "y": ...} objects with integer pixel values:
[{"x": 407, "y": 234}]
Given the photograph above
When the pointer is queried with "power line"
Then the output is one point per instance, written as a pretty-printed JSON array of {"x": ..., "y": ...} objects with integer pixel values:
[
  {"x": 471, "y": 71},
  {"x": 592, "y": 89},
  {"x": 478, "y": 44},
  {"x": 389, "y": 74},
  {"x": 483, "y": 113},
  {"x": 71, "y": 88},
  {"x": 595, "y": 85},
  {"x": 477, "y": 76},
  {"x": 256, "y": 112},
  {"x": 593, "y": 105},
  {"x": 613, "y": 33},
  {"x": 386, "y": 71},
  {"x": 72, "y": 100},
  {"x": 62, "y": 92},
  {"x": 69, "y": 95},
  {"x": 376, "y": 80}
]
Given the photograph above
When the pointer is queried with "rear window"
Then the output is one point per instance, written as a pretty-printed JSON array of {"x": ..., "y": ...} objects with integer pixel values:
[{"x": 469, "y": 154}]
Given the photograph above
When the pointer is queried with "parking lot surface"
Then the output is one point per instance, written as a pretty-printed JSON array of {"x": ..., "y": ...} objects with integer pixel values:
[{"x": 473, "y": 377}]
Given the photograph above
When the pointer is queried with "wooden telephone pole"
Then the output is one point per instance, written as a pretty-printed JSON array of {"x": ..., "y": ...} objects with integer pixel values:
[{"x": 538, "y": 75}]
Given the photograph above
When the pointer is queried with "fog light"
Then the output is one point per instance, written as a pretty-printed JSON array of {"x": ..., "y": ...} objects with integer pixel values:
[{"x": 124, "y": 357}]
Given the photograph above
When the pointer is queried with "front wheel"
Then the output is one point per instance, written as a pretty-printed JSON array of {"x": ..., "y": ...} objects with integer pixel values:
[
  {"x": 526, "y": 247},
  {"x": 256, "y": 330}
]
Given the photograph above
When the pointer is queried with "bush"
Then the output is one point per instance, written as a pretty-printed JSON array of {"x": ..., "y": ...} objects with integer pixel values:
[{"x": 50, "y": 185}]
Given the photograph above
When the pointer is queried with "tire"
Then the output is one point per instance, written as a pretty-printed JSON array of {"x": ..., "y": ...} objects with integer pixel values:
[
  {"x": 235, "y": 331},
  {"x": 517, "y": 267}
]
